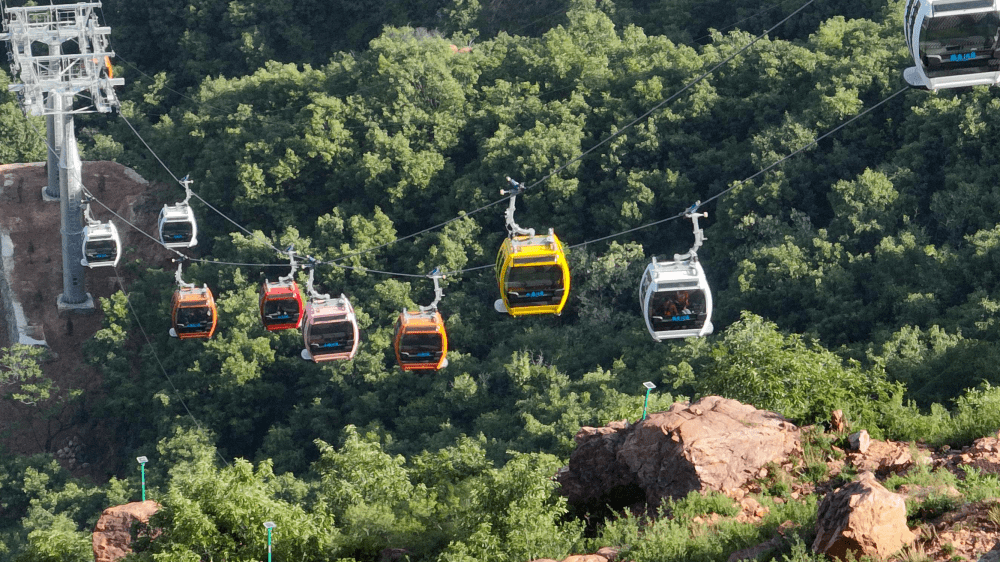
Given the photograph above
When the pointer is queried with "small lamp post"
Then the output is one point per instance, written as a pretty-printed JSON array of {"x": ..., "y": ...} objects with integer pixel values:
[
  {"x": 269, "y": 525},
  {"x": 142, "y": 466},
  {"x": 649, "y": 386}
]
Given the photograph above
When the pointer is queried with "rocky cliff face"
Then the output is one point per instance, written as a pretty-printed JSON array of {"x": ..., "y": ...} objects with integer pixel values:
[
  {"x": 713, "y": 444},
  {"x": 721, "y": 445},
  {"x": 112, "y": 534}
]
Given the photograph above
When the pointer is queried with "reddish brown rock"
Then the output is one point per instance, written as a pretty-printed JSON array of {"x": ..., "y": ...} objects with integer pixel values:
[
  {"x": 714, "y": 444},
  {"x": 585, "y": 558},
  {"x": 859, "y": 441},
  {"x": 112, "y": 534},
  {"x": 609, "y": 552},
  {"x": 862, "y": 518},
  {"x": 882, "y": 457},
  {"x": 837, "y": 422}
]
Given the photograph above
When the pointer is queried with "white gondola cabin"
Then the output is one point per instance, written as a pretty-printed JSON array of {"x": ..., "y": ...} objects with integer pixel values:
[
  {"x": 676, "y": 299},
  {"x": 954, "y": 43},
  {"x": 329, "y": 330},
  {"x": 101, "y": 244},
  {"x": 178, "y": 228},
  {"x": 674, "y": 295}
]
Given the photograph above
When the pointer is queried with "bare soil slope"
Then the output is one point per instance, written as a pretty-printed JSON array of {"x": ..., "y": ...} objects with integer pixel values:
[{"x": 33, "y": 225}]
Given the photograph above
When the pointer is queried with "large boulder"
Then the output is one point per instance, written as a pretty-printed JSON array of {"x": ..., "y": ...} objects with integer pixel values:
[
  {"x": 862, "y": 518},
  {"x": 112, "y": 534},
  {"x": 713, "y": 444}
]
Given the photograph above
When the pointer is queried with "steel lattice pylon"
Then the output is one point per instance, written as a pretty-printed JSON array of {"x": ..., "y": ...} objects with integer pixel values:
[
  {"x": 60, "y": 53},
  {"x": 60, "y": 71}
]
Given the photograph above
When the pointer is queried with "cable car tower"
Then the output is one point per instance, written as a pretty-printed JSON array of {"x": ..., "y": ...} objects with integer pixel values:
[{"x": 76, "y": 64}]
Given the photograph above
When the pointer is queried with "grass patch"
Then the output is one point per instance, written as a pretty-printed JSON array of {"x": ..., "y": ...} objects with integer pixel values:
[
  {"x": 697, "y": 504},
  {"x": 676, "y": 539}
]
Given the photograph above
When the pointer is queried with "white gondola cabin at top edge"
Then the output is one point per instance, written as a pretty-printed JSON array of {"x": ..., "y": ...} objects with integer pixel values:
[
  {"x": 674, "y": 295},
  {"x": 954, "y": 43}
]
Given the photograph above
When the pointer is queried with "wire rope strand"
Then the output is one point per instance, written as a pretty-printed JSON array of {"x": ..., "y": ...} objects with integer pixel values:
[
  {"x": 812, "y": 143},
  {"x": 686, "y": 87},
  {"x": 756, "y": 174},
  {"x": 160, "y": 363},
  {"x": 606, "y": 139},
  {"x": 196, "y": 195},
  {"x": 498, "y": 201}
]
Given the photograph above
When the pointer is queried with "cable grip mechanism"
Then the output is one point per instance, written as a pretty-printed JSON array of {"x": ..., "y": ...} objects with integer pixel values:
[{"x": 512, "y": 228}]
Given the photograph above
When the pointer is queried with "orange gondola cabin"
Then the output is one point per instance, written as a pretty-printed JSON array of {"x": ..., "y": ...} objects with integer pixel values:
[
  {"x": 421, "y": 341},
  {"x": 193, "y": 312},
  {"x": 330, "y": 330},
  {"x": 281, "y": 305}
]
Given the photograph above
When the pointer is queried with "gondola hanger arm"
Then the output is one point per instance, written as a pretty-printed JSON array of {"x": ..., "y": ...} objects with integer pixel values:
[
  {"x": 186, "y": 182},
  {"x": 436, "y": 275},
  {"x": 177, "y": 276},
  {"x": 512, "y": 228},
  {"x": 291, "y": 275},
  {"x": 699, "y": 234},
  {"x": 313, "y": 295},
  {"x": 87, "y": 217}
]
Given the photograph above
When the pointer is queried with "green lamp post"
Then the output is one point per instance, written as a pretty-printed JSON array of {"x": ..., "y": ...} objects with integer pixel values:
[
  {"x": 649, "y": 386},
  {"x": 142, "y": 467},
  {"x": 269, "y": 525}
]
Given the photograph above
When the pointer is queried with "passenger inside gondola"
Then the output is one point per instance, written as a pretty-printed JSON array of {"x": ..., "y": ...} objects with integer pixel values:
[
  {"x": 193, "y": 319},
  {"x": 331, "y": 337},
  {"x": 420, "y": 347},
  {"x": 281, "y": 310},
  {"x": 535, "y": 285},
  {"x": 677, "y": 310},
  {"x": 962, "y": 44},
  {"x": 177, "y": 231},
  {"x": 101, "y": 250}
]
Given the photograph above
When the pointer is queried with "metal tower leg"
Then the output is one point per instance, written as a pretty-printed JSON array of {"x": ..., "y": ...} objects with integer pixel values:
[
  {"x": 74, "y": 295},
  {"x": 54, "y": 130}
]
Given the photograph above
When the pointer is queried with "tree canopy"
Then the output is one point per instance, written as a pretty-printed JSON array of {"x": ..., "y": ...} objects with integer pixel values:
[{"x": 856, "y": 275}]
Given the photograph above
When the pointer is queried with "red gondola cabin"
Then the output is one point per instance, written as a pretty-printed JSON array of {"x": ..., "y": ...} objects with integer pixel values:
[{"x": 281, "y": 305}]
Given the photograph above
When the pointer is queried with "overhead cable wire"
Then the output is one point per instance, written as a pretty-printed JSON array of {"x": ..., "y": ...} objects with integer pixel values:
[
  {"x": 156, "y": 356},
  {"x": 686, "y": 87},
  {"x": 770, "y": 167},
  {"x": 198, "y": 197},
  {"x": 602, "y": 142},
  {"x": 543, "y": 179},
  {"x": 181, "y": 256},
  {"x": 810, "y": 144}
]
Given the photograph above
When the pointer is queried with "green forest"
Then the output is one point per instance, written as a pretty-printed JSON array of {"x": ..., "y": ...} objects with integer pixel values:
[{"x": 858, "y": 274}]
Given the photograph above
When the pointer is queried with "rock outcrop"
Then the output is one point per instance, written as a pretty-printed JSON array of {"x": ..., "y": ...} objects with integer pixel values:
[
  {"x": 713, "y": 444},
  {"x": 112, "y": 534},
  {"x": 859, "y": 441},
  {"x": 862, "y": 518}
]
